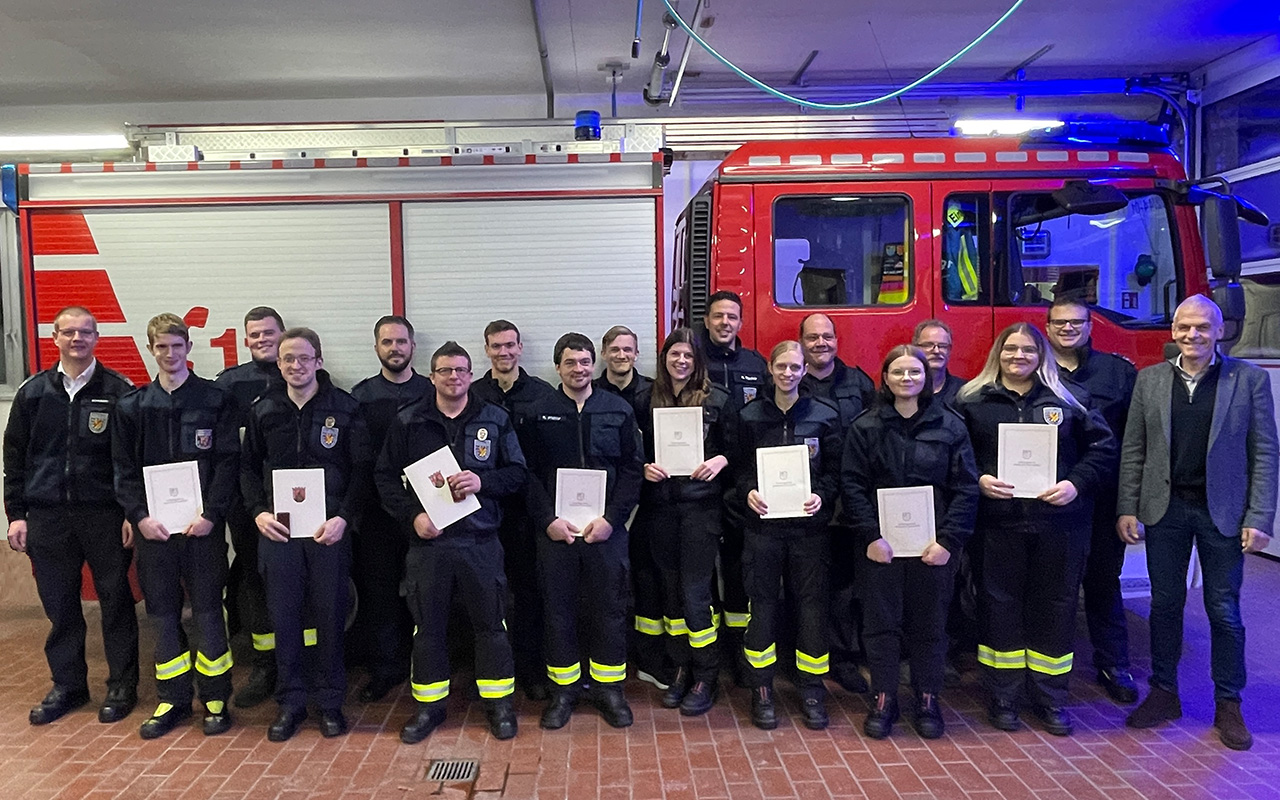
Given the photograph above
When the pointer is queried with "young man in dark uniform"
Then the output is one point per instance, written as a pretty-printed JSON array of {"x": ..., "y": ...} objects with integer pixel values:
[
  {"x": 578, "y": 428},
  {"x": 516, "y": 391},
  {"x": 63, "y": 512},
  {"x": 463, "y": 558},
  {"x": 246, "y": 597},
  {"x": 181, "y": 417},
  {"x": 383, "y": 618},
  {"x": 311, "y": 424}
]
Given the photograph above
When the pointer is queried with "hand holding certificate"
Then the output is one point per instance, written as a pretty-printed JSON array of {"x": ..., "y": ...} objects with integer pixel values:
[
  {"x": 580, "y": 496},
  {"x": 298, "y": 499},
  {"x": 677, "y": 435},
  {"x": 173, "y": 494},
  {"x": 907, "y": 519},
  {"x": 1028, "y": 457},
  {"x": 429, "y": 477},
  {"x": 782, "y": 474}
]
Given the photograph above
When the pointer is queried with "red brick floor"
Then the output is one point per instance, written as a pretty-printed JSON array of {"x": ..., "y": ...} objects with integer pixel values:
[{"x": 663, "y": 755}]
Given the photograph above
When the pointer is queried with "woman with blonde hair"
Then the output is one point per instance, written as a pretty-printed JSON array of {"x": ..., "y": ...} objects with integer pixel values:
[{"x": 1034, "y": 549}]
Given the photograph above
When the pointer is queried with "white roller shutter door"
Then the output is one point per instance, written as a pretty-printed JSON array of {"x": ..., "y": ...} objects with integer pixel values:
[{"x": 549, "y": 266}]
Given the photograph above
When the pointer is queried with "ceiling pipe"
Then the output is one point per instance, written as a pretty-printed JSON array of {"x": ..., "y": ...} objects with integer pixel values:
[
  {"x": 544, "y": 58},
  {"x": 932, "y": 91},
  {"x": 684, "y": 57}
]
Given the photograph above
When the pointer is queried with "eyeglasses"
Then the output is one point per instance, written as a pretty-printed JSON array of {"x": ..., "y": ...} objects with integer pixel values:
[
  {"x": 302, "y": 361},
  {"x": 789, "y": 367},
  {"x": 1059, "y": 324},
  {"x": 445, "y": 372},
  {"x": 71, "y": 333},
  {"x": 906, "y": 373},
  {"x": 940, "y": 346},
  {"x": 1013, "y": 349}
]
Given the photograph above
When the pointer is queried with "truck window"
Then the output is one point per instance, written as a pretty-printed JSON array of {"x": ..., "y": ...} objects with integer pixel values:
[
  {"x": 966, "y": 247},
  {"x": 1123, "y": 263},
  {"x": 843, "y": 251}
]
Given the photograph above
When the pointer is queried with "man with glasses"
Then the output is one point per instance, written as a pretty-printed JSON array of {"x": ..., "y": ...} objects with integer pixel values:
[
  {"x": 309, "y": 424},
  {"x": 462, "y": 559},
  {"x": 933, "y": 336},
  {"x": 63, "y": 513},
  {"x": 1109, "y": 381}
]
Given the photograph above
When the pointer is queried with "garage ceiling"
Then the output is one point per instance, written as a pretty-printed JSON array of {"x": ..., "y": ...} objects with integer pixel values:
[{"x": 72, "y": 52}]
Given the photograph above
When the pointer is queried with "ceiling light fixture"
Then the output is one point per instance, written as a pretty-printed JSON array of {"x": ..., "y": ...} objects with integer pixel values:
[{"x": 1004, "y": 127}]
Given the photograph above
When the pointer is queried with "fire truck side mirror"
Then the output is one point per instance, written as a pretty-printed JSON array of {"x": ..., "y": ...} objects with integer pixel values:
[{"x": 1220, "y": 229}]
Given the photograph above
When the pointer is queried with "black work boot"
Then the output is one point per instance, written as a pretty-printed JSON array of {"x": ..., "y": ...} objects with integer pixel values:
[
  {"x": 428, "y": 718},
  {"x": 612, "y": 705},
  {"x": 260, "y": 686},
  {"x": 879, "y": 722},
  {"x": 502, "y": 718},
  {"x": 928, "y": 721},
  {"x": 699, "y": 699},
  {"x": 763, "y": 715},
  {"x": 677, "y": 689},
  {"x": 559, "y": 709},
  {"x": 1230, "y": 724}
]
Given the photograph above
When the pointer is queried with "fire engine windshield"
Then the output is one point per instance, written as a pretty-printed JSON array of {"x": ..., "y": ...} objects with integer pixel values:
[{"x": 1123, "y": 262}]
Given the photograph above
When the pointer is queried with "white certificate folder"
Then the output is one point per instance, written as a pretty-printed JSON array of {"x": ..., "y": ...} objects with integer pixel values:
[
  {"x": 907, "y": 519},
  {"x": 298, "y": 499},
  {"x": 429, "y": 478},
  {"x": 782, "y": 475},
  {"x": 677, "y": 439},
  {"x": 173, "y": 494},
  {"x": 580, "y": 495},
  {"x": 1028, "y": 457}
]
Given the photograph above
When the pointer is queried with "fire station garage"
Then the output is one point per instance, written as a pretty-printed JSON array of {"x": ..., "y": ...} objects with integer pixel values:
[{"x": 675, "y": 399}]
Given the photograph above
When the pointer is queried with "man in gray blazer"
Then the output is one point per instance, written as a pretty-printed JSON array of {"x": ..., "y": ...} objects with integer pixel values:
[{"x": 1198, "y": 465}]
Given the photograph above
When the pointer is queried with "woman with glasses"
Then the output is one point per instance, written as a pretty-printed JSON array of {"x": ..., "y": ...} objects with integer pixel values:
[
  {"x": 790, "y": 549},
  {"x": 908, "y": 438},
  {"x": 681, "y": 515},
  {"x": 1035, "y": 547}
]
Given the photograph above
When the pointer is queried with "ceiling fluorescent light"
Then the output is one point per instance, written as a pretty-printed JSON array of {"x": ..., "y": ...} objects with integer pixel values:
[
  {"x": 63, "y": 143},
  {"x": 1004, "y": 127}
]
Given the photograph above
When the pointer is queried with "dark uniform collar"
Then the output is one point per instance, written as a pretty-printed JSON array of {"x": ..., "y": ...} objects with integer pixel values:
[
  {"x": 718, "y": 351},
  {"x": 432, "y": 411}
]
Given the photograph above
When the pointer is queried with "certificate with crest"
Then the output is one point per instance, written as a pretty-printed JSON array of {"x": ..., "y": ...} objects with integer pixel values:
[
  {"x": 677, "y": 439},
  {"x": 173, "y": 494},
  {"x": 298, "y": 499},
  {"x": 580, "y": 495},
  {"x": 1027, "y": 457},
  {"x": 906, "y": 519},
  {"x": 782, "y": 475},
  {"x": 429, "y": 478}
]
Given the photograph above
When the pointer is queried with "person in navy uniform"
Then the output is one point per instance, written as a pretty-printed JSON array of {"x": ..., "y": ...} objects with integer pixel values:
[
  {"x": 181, "y": 417},
  {"x": 578, "y": 428},
  {"x": 246, "y": 596},
  {"x": 310, "y": 424},
  {"x": 383, "y": 628},
  {"x": 462, "y": 559},
  {"x": 933, "y": 336},
  {"x": 63, "y": 513}
]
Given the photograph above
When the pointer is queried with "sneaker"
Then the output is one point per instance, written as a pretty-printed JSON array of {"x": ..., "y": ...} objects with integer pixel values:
[
  {"x": 1119, "y": 684},
  {"x": 1160, "y": 706},
  {"x": 1055, "y": 720},
  {"x": 652, "y": 678},
  {"x": 1003, "y": 715},
  {"x": 675, "y": 693},
  {"x": 879, "y": 723},
  {"x": 1230, "y": 724},
  {"x": 699, "y": 699},
  {"x": 763, "y": 715},
  {"x": 928, "y": 721}
]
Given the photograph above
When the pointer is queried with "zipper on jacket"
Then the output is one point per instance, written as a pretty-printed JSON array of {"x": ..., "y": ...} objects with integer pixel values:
[
  {"x": 71, "y": 440},
  {"x": 582, "y": 449}
]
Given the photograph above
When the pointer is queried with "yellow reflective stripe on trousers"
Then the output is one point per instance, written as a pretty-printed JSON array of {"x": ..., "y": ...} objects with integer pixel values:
[
  {"x": 1049, "y": 665},
  {"x": 814, "y": 665},
  {"x": 761, "y": 658},
  {"x": 608, "y": 673},
  {"x": 309, "y": 637},
  {"x": 430, "y": 692},
  {"x": 174, "y": 667},
  {"x": 649, "y": 626},
  {"x": 264, "y": 641},
  {"x": 1002, "y": 659},
  {"x": 565, "y": 676},
  {"x": 493, "y": 689},
  {"x": 735, "y": 619},
  {"x": 213, "y": 666},
  {"x": 675, "y": 627},
  {"x": 702, "y": 638}
]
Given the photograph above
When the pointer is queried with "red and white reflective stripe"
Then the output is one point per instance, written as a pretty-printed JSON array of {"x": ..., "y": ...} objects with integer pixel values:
[{"x": 959, "y": 157}]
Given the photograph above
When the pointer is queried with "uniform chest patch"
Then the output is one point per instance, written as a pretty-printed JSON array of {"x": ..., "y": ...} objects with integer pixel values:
[
  {"x": 480, "y": 448},
  {"x": 482, "y": 434},
  {"x": 98, "y": 421},
  {"x": 814, "y": 446},
  {"x": 328, "y": 435},
  {"x": 749, "y": 393},
  {"x": 1053, "y": 415},
  {"x": 204, "y": 438}
]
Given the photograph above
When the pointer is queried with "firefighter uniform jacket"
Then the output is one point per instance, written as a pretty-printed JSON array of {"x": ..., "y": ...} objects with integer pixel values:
[
  {"x": 527, "y": 390},
  {"x": 196, "y": 422},
  {"x": 740, "y": 371},
  {"x": 328, "y": 432},
  {"x": 635, "y": 393},
  {"x": 57, "y": 451},
  {"x": 1109, "y": 380},
  {"x": 716, "y": 419},
  {"x": 380, "y": 401},
  {"x": 603, "y": 435},
  {"x": 849, "y": 389},
  {"x": 249, "y": 381},
  {"x": 483, "y": 441},
  {"x": 883, "y": 450},
  {"x": 811, "y": 422}
]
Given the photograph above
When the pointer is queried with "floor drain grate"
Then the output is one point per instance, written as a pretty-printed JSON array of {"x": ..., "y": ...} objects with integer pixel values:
[{"x": 453, "y": 769}]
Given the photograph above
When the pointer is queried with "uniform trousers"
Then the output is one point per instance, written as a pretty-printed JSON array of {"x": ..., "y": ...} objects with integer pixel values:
[
  {"x": 683, "y": 543},
  {"x": 905, "y": 602},
  {"x": 593, "y": 579},
  {"x": 197, "y": 565},
  {"x": 798, "y": 557},
  {"x": 382, "y": 621},
  {"x": 306, "y": 580},
  {"x": 246, "y": 592},
  {"x": 60, "y": 541},
  {"x": 520, "y": 559},
  {"x": 470, "y": 569},
  {"x": 1103, "y": 602},
  {"x": 647, "y": 642},
  {"x": 1031, "y": 570}
]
